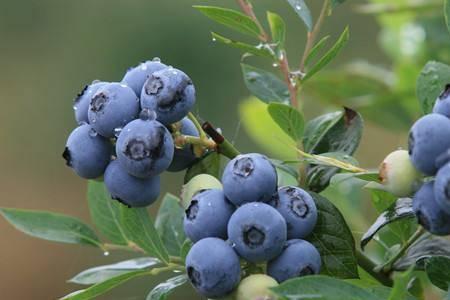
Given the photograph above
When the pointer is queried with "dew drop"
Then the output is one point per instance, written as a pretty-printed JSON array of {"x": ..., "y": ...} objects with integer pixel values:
[
  {"x": 94, "y": 121},
  {"x": 176, "y": 271},
  {"x": 75, "y": 108},
  {"x": 144, "y": 67},
  {"x": 298, "y": 7},
  {"x": 92, "y": 133},
  {"x": 214, "y": 39},
  {"x": 106, "y": 253},
  {"x": 156, "y": 59},
  {"x": 274, "y": 65},
  {"x": 117, "y": 131}
]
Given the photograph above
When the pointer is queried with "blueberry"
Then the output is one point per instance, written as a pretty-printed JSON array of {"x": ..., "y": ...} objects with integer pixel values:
[
  {"x": 135, "y": 77},
  {"x": 299, "y": 258},
  {"x": 213, "y": 267},
  {"x": 442, "y": 188},
  {"x": 83, "y": 99},
  {"x": 207, "y": 215},
  {"x": 170, "y": 93},
  {"x": 298, "y": 209},
  {"x": 429, "y": 137},
  {"x": 184, "y": 157},
  {"x": 87, "y": 152},
  {"x": 130, "y": 190},
  {"x": 258, "y": 231},
  {"x": 255, "y": 287},
  {"x": 429, "y": 214},
  {"x": 144, "y": 148},
  {"x": 249, "y": 178},
  {"x": 111, "y": 107},
  {"x": 442, "y": 104}
]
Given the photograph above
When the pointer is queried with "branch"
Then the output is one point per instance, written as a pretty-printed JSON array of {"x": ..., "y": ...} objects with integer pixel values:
[
  {"x": 369, "y": 266},
  {"x": 223, "y": 145},
  {"x": 247, "y": 8}
]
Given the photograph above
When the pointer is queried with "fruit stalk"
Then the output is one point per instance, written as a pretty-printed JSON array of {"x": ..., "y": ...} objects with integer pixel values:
[
  {"x": 369, "y": 266},
  {"x": 223, "y": 145}
]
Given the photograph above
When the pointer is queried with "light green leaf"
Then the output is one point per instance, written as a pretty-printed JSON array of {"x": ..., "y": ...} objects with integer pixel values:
[
  {"x": 255, "y": 50},
  {"x": 102, "y": 273},
  {"x": 329, "y": 56},
  {"x": 51, "y": 226},
  {"x": 162, "y": 290},
  {"x": 230, "y": 18},
  {"x": 169, "y": 224},
  {"x": 316, "y": 49},
  {"x": 288, "y": 118},
  {"x": 187, "y": 245},
  {"x": 265, "y": 85},
  {"x": 431, "y": 82},
  {"x": 139, "y": 229},
  {"x": 438, "y": 271},
  {"x": 105, "y": 212},
  {"x": 303, "y": 12},
  {"x": 208, "y": 164},
  {"x": 277, "y": 28},
  {"x": 401, "y": 283}
]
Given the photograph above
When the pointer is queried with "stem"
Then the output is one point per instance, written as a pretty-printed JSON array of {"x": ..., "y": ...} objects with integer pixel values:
[
  {"x": 187, "y": 139},
  {"x": 197, "y": 125},
  {"x": 223, "y": 145},
  {"x": 170, "y": 267},
  {"x": 247, "y": 8},
  {"x": 176, "y": 260},
  {"x": 369, "y": 266},
  {"x": 387, "y": 266},
  {"x": 312, "y": 35}
]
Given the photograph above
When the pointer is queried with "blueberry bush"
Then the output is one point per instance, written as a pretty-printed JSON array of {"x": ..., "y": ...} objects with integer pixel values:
[{"x": 247, "y": 226}]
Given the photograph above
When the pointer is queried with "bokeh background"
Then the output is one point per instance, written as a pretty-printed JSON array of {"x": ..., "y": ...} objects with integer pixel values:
[{"x": 50, "y": 49}]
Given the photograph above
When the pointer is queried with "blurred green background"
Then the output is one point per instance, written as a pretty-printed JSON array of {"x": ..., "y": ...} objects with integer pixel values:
[{"x": 50, "y": 49}]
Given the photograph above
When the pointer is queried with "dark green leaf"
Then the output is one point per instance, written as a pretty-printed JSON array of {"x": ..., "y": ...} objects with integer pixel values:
[
  {"x": 162, "y": 290},
  {"x": 277, "y": 28},
  {"x": 329, "y": 56},
  {"x": 265, "y": 85},
  {"x": 335, "y": 3},
  {"x": 187, "y": 245},
  {"x": 286, "y": 167},
  {"x": 209, "y": 164},
  {"x": 169, "y": 224},
  {"x": 334, "y": 240},
  {"x": 401, "y": 209},
  {"x": 139, "y": 229},
  {"x": 431, "y": 82},
  {"x": 438, "y": 271},
  {"x": 102, "y": 273},
  {"x": 255, "y": 50},
  {"x": 102, "y": 287},
  {"x": 316, "y": 49},
  {"x": 51, "y": 226},
  {"x": 317, "y": 128},
  {"x": 303, "y": 12},
  {"x": 323, "y": 288},
  {"x": 231, "y": 18},
  {"x": 447, "y": 13},
  {"x": 105, "y": 213},
  {"x": 288, "y": 118}
]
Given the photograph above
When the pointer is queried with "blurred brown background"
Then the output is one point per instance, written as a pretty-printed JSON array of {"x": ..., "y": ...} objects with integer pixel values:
[{"x": 50, "y": 49}]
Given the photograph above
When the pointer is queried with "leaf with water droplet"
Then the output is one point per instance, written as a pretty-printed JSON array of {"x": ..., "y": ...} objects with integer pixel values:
[
  {"x": 303, "y": 12},
  {"x": 162, "y": 290},
  {"x": 430, "y": 83},
  {"x": 258, "y": 51}
]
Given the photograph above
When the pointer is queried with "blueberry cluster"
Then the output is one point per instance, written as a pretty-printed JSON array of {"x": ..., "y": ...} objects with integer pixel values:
[
  {"x": 429, "y": 151},
  {"x": 249, "y": 219},
  {"x": 126, "y": 130}
]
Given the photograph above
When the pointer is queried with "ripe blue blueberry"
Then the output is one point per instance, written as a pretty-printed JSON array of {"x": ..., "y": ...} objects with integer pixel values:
[
  {"x": 83, "y": 99},
  {"x": 249, "y": 178},
  {"x": 129, "y": 190},
  {"x": 111, "y": 107},
  {"x": 429, "y": 214},
  {"x": 258, "y": 231},
  {"x": 429, "y": 137},
  {"x": 207, "y": 215},
  {"x": 170, "y": 93},
  {"x": 442, "y": 188},
  {"x": 87, "y": 152},
  {"x": 144, "y": 147},
  {"x": 442, "y": 104},
  {"x": 135, "y": 77},
  {"x": 213, "y": 267},
  {"x": 299, "y": 258},
  {"x": 298, "y": 209},
  {"x": 184, "y": 157}
]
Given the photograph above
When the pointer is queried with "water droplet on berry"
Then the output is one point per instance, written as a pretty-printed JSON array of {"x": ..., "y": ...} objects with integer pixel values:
[
  {"x": 117, "y": 131},
  {"x": 143, "y": 67},
  {"x": 92, "y": 133},
  {"x": 156, "y": 59},
  {"x": 75, "y": 108}
]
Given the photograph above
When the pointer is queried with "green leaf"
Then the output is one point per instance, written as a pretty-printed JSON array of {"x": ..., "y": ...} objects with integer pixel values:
[
  {"x": 162, "y": 290},
  {"x": 169, "y": 224},
  {"x": 139, "y": 229},
  {"x": 438, "y": 271},
  {"x": 265, "y": 85},
  {"x": 303, "y": 12},
  {"x": 316, "y": 49},
  {"x": 431, "y": 82},
  {"x": 401, "y": 283},
  {"x": 447, "y": 13},
  {"x": 230, "y": 18},
  {"x": 323, "y": 288},
  {"x": 329, "y": 56},
  {"x": 208, "y": 164},
  {"x": 335, "y": 3},
  {"x": 102, "y": 287},
  {"x": 334, "y": 240},
  {"x": 255, "y": 50},
  {"x": 102, "y": 273},
  {"x": 288, "y": 118},
  {"x": 401, "y": 209},
  {"x": 317, "y": 128},
  {"x": 384, "y": 292},
  {"x": 105, "y": 213},
  {"x": 51, "y": 226},
  {"x": 277, "y": 28},
  {"x": 187, "y": 245}
]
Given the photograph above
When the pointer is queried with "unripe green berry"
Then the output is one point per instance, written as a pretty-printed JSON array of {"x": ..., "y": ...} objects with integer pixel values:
[
  {"x": 398, "y": 175},
  {"x": 196, "y": 184},
  {"x": 256, "y": 287}
]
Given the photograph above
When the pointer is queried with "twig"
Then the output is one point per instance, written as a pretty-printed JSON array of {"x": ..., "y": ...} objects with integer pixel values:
[
  {"x": 223, "y": 145},
  {"x": 369, "y": 266},
  {"x": 247, "y": 8}
]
